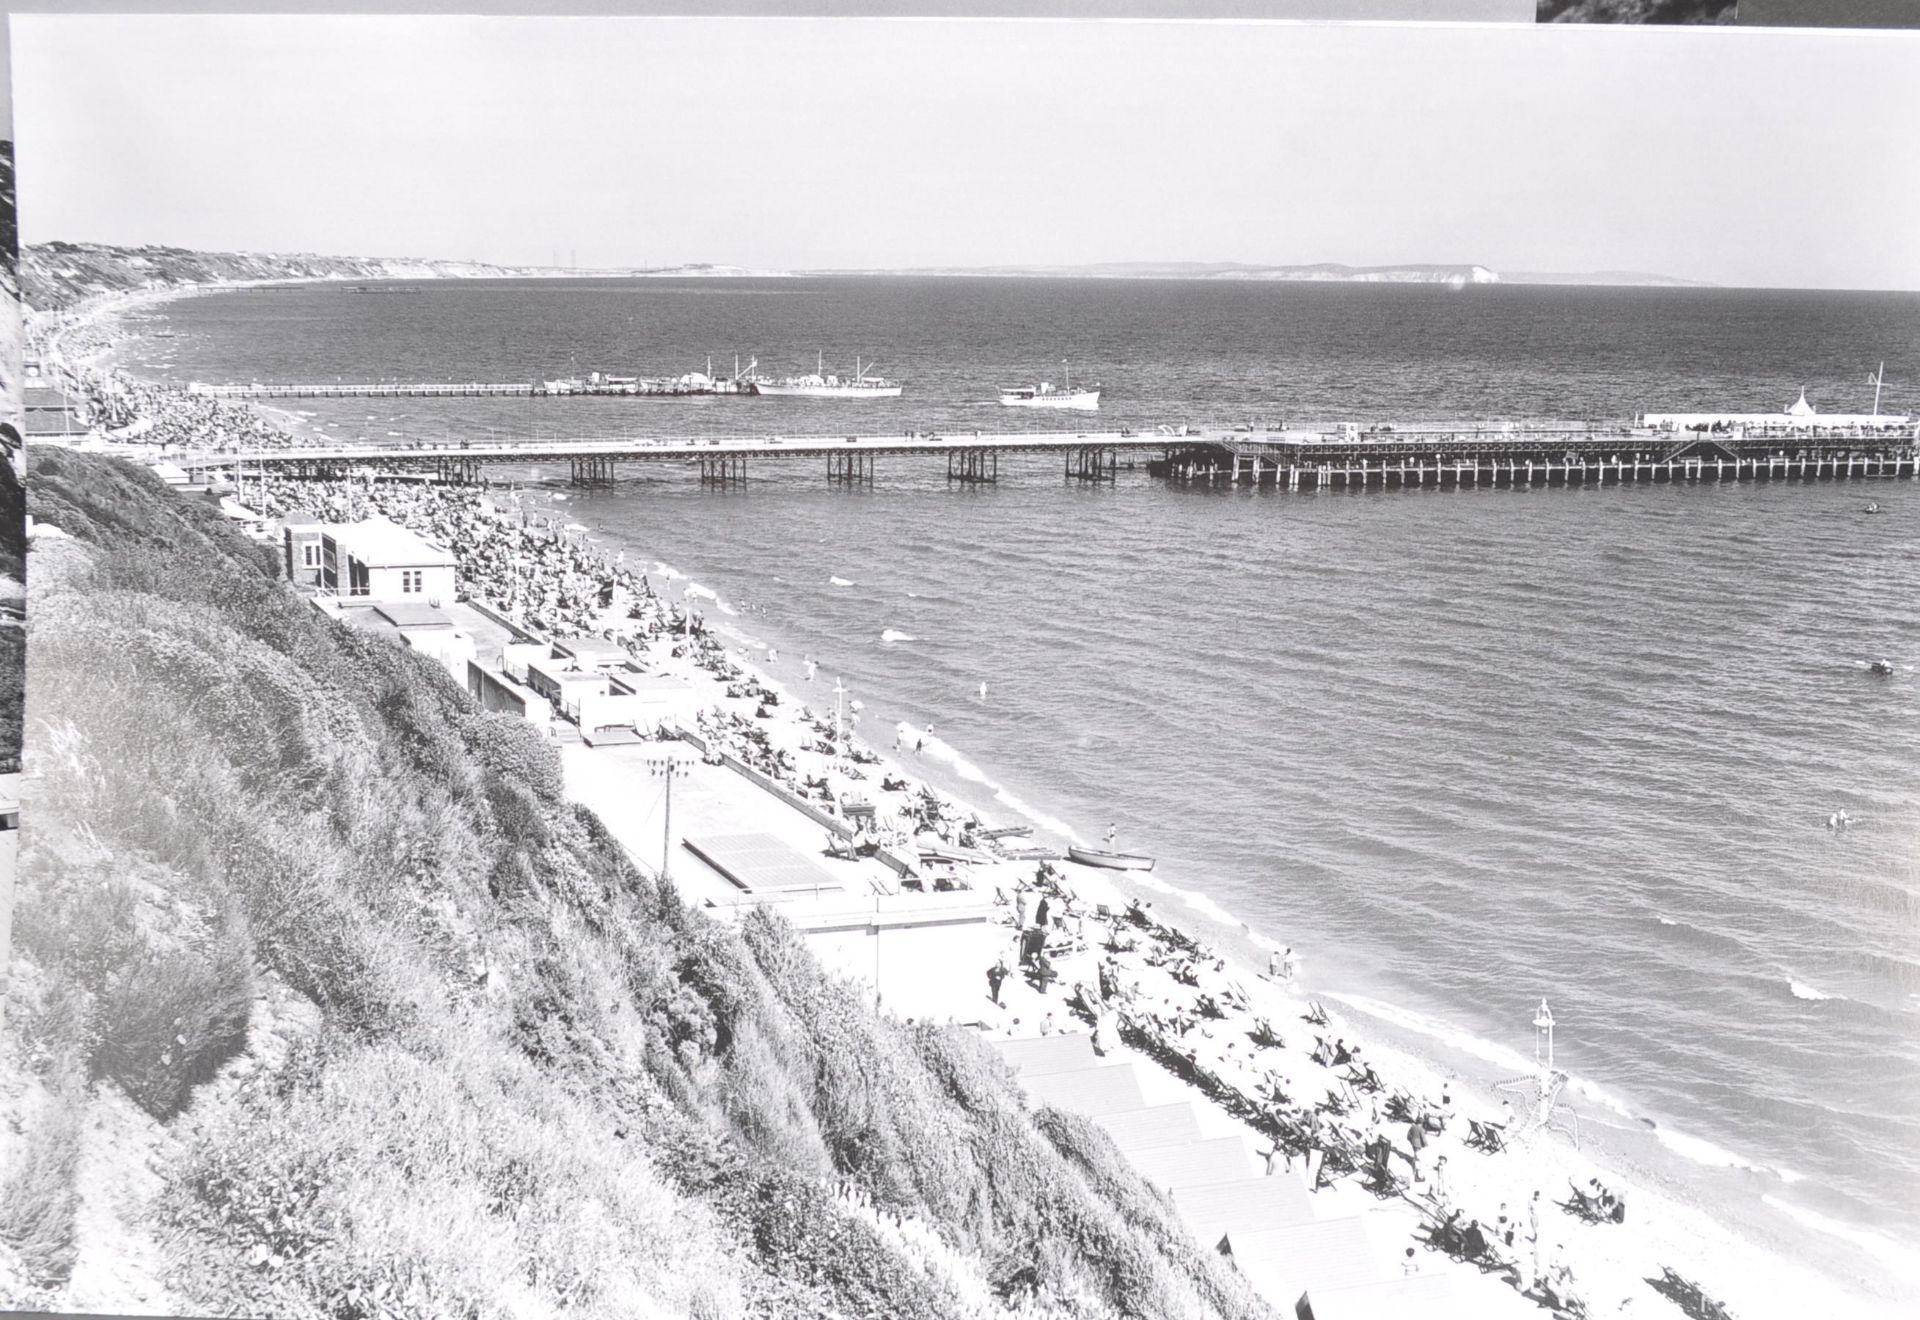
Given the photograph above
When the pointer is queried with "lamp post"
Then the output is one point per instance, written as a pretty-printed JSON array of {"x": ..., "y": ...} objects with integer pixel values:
[{"x": 667, "y": 766}]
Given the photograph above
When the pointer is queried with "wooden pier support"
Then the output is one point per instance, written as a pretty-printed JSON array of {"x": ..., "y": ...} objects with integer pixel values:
[
  {"x": 723, "y": 470},
  {"x": 1093, "y": 463},
  {"x": 592, "y": 471},
  {"x": 454, "y": 470},
  {"x": 850, "y": 469},
  {"x": 979, "y": 466}
]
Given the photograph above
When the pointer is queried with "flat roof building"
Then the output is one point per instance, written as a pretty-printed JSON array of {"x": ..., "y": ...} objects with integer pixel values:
[{"x": 375, "y": 560}]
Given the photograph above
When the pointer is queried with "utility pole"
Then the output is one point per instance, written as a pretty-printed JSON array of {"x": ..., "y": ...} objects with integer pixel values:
[{"x": 665, "y": 765}]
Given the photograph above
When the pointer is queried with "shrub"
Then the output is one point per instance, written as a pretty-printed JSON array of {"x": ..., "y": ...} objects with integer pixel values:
[
  {"x": 170, "y": 1018},
  {"x": 38, "y": 1198}
]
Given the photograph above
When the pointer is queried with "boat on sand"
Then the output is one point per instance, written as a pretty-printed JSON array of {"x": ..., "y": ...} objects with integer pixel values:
[{"x": 1111, "y": 861}]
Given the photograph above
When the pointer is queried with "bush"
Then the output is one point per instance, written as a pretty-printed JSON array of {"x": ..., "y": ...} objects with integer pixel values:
[
  {"x": 170, "y": 1018},
  {"x": 38, "y": 1198}
]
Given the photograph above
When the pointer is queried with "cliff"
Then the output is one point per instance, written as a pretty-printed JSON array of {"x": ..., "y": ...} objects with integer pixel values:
[{"x": 56, "y": 274}]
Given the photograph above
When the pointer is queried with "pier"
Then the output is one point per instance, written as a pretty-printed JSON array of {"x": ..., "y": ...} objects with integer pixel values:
[
  {"x": 472, "y": 389},
  {"x": 1466, "y": 460},
  {"x": 1298, "y": 461}
]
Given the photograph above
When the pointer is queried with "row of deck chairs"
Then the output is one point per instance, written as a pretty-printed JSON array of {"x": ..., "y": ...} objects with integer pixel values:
[
  {"x": 1688, "y": 1296},
  {"x": 1604, "y": 1208},
  {"x": 1490, "y": 1137},
  {"x": 1446, "y": 1235}
]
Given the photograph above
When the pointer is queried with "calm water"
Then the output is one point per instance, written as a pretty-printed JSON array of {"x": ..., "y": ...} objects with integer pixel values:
[{"x": 1465, "y": 750}]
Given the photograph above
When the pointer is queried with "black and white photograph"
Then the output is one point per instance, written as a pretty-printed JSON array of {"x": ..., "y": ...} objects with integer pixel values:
[{"x": 855, "y": 666}]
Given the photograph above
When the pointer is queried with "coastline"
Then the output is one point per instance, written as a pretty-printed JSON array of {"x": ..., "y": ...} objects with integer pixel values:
[{"x": 1759, "y": 1291}]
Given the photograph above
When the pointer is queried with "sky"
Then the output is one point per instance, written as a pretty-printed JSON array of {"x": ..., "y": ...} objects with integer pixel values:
[{"x": 1735, "y": 156}]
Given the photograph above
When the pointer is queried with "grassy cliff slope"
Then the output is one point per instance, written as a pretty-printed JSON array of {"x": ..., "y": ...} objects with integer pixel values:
[{"x": 402, "y": 1032}]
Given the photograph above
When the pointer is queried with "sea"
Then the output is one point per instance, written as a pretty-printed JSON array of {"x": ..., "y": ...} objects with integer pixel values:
[{"x": 1465, "y": 751}]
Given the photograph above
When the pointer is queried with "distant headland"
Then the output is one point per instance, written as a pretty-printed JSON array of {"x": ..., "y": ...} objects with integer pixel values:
[{"x": 55, "y": 274}]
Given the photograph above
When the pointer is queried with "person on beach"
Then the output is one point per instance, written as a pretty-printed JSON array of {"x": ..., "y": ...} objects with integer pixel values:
[
  {"x": 1286, "y": 965},
  {"x": 1473, "y": 1242},
  {"x": 1416, "y": 1143},
  {"x": 996, "y": 975},
  {"x": 1533, "y": 1220},
  {"x": 1020, "y": 908},
  {"x": 1442, "y": 1190},
  {"x": 1046, "y": 1025},
  {"x": 1411, "y": 1265},
  {"x": 1040, "y": 913}
]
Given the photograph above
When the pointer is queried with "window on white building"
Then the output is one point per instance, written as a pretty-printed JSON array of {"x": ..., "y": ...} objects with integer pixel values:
[
  {"x": 410, "y": 582},
  {"x": 310, "y": 555}
]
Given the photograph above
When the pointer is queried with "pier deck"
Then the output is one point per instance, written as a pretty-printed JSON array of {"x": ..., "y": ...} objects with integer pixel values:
[
  {"x": 1295, "y": 460},
  {"x": 472, "y": 389}
]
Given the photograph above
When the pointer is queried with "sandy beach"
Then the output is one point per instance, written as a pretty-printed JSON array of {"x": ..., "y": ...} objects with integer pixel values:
[{"x": 1202, "y": 1024}]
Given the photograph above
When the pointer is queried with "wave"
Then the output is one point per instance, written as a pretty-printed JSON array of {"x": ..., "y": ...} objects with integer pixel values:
[
  {"x": 1801, "y": 990},
  {"x": 1878, "y": 1245},
  {"x": 1052, "y": 824},
  {"x": 1503, "y": 1056},
  {"x": 838, "y": 582},
  {"x": 1488, "y": 1051},
  {"x": 1668, "y": 921},
  {"x": 895, "y": 635},
  {"x": 1193, "y": 898},
  {"x": 1703, "y": 1152}
]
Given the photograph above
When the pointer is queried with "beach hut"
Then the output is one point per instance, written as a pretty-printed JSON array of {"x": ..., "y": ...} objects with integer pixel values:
[
  {"x": 1246, "y": 1205},
  {"x": 1284, "y": 1263},
  {"x": 1194, "y": 1163},
  {"x": 1429, "y": 1296},
  {"x": 1156, "y": 1125},
  {"x": 1089, "y": 1091},
  {"x": 1037, "y": 1056}
]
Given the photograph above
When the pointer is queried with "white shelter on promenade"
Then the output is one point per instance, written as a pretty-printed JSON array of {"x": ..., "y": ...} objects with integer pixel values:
[
  {"x": 368, "y": 561},
  {"x": 1800, "y": 417}
]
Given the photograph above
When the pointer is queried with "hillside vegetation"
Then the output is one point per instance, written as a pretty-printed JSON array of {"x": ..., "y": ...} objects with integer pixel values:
[{"x": 404, "y": 1033}]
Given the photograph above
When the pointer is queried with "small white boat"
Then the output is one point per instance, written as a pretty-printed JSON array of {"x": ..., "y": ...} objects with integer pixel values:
[
  {"x": 1111, "y": 861},
  {"x": 1044, "y": 395}
]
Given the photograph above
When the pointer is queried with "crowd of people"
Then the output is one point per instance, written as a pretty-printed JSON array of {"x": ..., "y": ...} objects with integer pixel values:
[
  {"x": 1323, "y": 1109},
  {"x": 131, "y": 411},
  {"x": 524, "y": 564}
]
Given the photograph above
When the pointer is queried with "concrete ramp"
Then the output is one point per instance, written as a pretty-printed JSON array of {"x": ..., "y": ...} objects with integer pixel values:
[
  {"x": 1245, "y": 1205},
  {"x": 1088, "y": 1091},
  {"x": 1428, "y": 1296},
  {"x": 1283, "y": 1263},
  {"x": 1156, "y": 1125},
  {"x": 1194, "y": 1163},
  {"x": 1038, "y": 1056}
]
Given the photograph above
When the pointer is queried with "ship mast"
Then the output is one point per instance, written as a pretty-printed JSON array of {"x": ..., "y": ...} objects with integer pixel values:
[{"x": 1879, "y": 379}]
